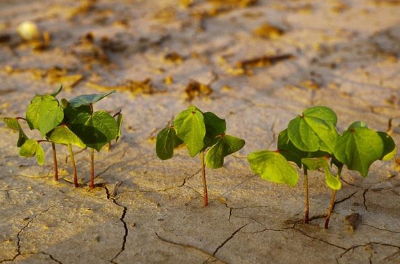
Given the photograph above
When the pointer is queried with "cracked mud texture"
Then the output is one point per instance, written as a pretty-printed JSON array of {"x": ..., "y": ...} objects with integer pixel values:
[{"x": 343, "y": 54}]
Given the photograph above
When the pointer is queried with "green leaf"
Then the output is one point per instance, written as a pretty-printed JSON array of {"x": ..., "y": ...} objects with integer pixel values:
[
  {"x": 63, "y": 135},
  {"x": 40, "y": 156},
  {"x": 54, "y": 94},
  {"x": 389, "y": 147},
  {"x": 288, "y": 150},
  {"x": 314, "y": 130},
  {"x": 50, "y": 116},
  {"x": 215, "y": 155},
  {"x": 11, "y": 123},
  {"x": 166, "y": 142},
  {"x": 190, "y": 128},
  {"x": 225, "y": 146},
  {"x": 33, "y": 110},
  {"x": 44, "y": 113},
  {"x": 358, "y": 148},
  {"x": 331, "y": 180},
  {"x": 358, "y": 124},
  {"x": 214, "y": 126},
  {"x": 22, "y": 137},
  {"x": 120, "y": 120},
  {"x": 87, "y": 99},
  {"x": 28, "y": 149},
  {"x": 272, "y": 166},
  {"x": 95, "y": 130},
  {"x": 314, "y": 163}
]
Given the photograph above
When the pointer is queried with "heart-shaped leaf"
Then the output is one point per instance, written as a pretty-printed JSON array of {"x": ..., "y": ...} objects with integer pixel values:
[
  {"x": 87, "y": 99},
  {"x": 288, "y": 150},
  {"x": 358, "y": 148},
  {"x": 28, "y": 149},
  {"x": 272, "y": 166},
  {"x": 214, "y": 126},
  {"x": 50, "y": 116},
  {"x": 190, "y": 128},
  {"x": 44, "y": 113},
  {"x": 314, "y": 130},
  {"x": 95, "y": 130},
  {"x": 166, "y": 142},
  {"x": 40, "y": 156},
  {"x": 11, "y": 123},
  {"x": 225, "y": 146},
  {"x": 63, "y": 135},
  {"x": 389, "y": 147}
]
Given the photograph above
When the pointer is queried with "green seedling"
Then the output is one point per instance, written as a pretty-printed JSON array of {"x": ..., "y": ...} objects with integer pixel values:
[
  {"x": 94, "y": 128},
  {"x": 202, "y": 133},
  {"x": 43, "y": 113},
  {"x": 312, "y": 142},
  {"x": 66, "y": 123}
]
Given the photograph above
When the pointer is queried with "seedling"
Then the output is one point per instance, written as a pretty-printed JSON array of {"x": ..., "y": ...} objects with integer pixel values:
[
  {"x": 200, "y": 132},
  {"x": 66, "y": 123},
  {"x": 94, "y": 128},
  {"x": 312, "y": 142}
]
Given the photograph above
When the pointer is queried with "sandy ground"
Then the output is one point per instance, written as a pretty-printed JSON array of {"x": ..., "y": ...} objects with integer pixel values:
[{"x": 343, "y": 54}]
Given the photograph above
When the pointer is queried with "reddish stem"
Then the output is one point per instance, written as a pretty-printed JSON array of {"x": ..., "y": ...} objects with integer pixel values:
[
  {"x": 203, "y": 173},
  {"x": 71, "y": 154},
  {"x": 92, "y": 170},
  {"x": 55, "y": 161},
  {"x": 331, "y": 206},
  {"x": 307, "y": 205}
]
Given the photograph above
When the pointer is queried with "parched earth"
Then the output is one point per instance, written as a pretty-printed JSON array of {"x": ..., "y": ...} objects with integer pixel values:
[{"x": 257, "y": 64}]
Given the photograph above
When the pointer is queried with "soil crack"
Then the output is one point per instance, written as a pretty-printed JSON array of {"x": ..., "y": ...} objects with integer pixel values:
[{"x": 122, "y": 219}]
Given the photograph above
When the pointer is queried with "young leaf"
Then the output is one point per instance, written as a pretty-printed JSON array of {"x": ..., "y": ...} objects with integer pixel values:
[
  {"x": 50, "y": 116},
  {"x": 389, "y": 147},
  {"x": 272, "y": 166},
  {"x": 63, "y": 135},
  {"x": 331, "y": 180},
  {"x": 215, "y": 155},
  {"x": 225, "y": 146},
  {"x": 166, "y": 142},
  {"x": 358, "y": 148},
  {"x": 95, "y": 130},
  {"x": 40, "y": 156},
  {"x": 314, "y": 130},
  {"x": 214, "y": 126},
  {"x": 120, "y": 120},
  {"x": 288, "y": 150},
  {"x": 22, "y": 137},
  {"x": 44, "y": 113},
  {"x": 358, "y": 124},
  {"x": 190, "y": 128},
  {"x": 28, "y": 149},
  {"x": 88, "y": 99},
  {"x": 11, "y": 123},
  {"x": 54, "y": 94}
]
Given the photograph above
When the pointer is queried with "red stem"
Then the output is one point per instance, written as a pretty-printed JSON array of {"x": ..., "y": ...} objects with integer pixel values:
[
  {"x": 92, "y": 170},
  {"x": 55, "y": 161}
]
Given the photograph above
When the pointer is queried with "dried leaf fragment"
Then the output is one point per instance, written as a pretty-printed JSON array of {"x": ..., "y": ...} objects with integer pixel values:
[
  {"x": 196, "y": 89},
  {"x": 353, "y": 221},
  {"x": 134, "y": 87},
  {"x": 173, "y": 57},
  {"x": 268, "y": 31},
  {"x": 262, "y": 61}
]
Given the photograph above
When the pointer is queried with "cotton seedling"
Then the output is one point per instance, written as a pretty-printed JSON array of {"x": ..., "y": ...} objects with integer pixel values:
[
  {"x": 203, "y": 133},
  {"x": 312, "y": 142}
]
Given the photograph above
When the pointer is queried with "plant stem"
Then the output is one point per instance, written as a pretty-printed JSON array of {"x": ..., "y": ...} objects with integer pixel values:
[
  {"x": 55, "y": 161},
  {"x": 71, "y": 154},
  {"x": 331, "y": 205},
  {"x": 92, "y": 170},
  {"x": 307, "y": 206},
  {"x": 203, "y": 172}
]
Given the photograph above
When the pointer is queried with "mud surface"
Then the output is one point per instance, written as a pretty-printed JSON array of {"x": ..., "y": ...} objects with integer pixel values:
[{"x": 257, "y": 64}]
